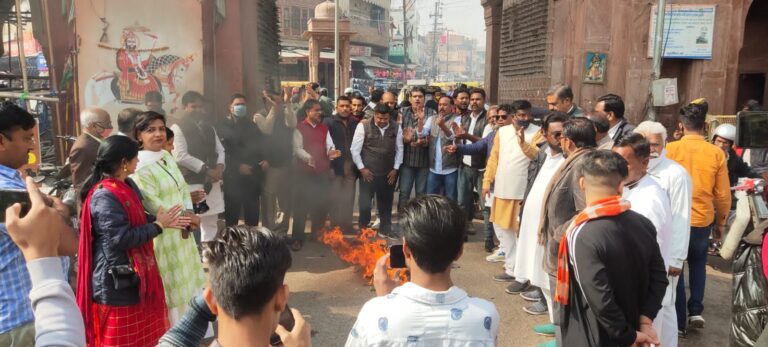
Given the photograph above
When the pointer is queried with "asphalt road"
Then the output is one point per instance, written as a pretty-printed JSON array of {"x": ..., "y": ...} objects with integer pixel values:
[{"x": 330, "y": 293}]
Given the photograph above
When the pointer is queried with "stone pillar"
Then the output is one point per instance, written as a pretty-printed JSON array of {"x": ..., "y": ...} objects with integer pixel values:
[
  {"x": 492, "y": 11},
  {"x": 314, "y": 59},
  {"x": 346, "y": 65}
]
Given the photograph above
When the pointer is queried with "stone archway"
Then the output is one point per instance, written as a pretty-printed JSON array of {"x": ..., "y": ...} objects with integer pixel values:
[{"x": 753, "y": 57}]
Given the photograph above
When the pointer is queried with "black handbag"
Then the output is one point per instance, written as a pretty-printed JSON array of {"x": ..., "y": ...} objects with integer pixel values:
[{"x": 123, "y": 276}]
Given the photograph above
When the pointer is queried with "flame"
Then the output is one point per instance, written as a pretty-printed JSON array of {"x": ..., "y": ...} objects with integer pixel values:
[{"x": 363, "y": 250}]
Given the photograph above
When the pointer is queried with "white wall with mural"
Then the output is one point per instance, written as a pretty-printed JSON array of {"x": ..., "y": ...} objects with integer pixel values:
[{"x": 130, "y": 48}]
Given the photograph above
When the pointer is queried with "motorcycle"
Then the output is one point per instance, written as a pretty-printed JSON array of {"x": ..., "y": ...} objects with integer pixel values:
[{"x": 745, "y": 245}]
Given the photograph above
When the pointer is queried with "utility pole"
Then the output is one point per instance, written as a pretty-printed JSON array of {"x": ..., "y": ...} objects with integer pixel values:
[
  {"x": 405, "y": 40},
  {"x": 337, "y": 53},
  {"x": 658, "y": 43},
  {"x": 437, "y": 15}
]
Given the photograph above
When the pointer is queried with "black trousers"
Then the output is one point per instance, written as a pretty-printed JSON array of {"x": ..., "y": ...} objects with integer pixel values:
[
  {"x": 384, "y": 193},
  {"x": 241, "y": 194},
  {"x": 312, "y": 198}
]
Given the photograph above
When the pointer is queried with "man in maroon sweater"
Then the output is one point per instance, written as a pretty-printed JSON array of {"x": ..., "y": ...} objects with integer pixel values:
[{"x": 314, "y": 173}]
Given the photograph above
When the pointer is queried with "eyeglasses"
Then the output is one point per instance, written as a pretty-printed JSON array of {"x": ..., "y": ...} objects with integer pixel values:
[{"x": 500, "y": 117}]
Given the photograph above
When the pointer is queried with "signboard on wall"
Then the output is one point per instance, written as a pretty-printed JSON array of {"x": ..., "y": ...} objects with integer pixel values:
[
  {"x": 142, "y": 50},
  {"x": 359, "y": 51},
  {"x": 688, "y": 31}
]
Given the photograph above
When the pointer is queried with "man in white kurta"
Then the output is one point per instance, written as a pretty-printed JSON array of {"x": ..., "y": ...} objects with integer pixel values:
[
  {"x": 530, "y": 253},
  {"x": 676, "y": 182},
  {"x": 507, "y": 170},
  {"x": 650, "y": 200}
]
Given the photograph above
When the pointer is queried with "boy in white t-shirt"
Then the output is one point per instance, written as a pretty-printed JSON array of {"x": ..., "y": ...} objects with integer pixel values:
[{"x": 428, "y": 310}]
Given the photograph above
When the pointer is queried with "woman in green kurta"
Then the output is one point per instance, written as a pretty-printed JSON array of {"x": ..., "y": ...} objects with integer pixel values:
[{"x": 163, "y": 185}]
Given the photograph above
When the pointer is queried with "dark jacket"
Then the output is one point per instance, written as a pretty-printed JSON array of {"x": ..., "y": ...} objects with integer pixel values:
[
  {"x": 737, "y": 168},
  {"x": 81, "y": 158},
  {"x": 562, "y": 201},
  {"x": 342, "y": 139},
  {"x": 201, "y": 144},
  {"x": 625, "y": 129},
  {"x": 533, "y": 170},
  {"x": 478, "y": 161},
  {"x": 243, "y": 143},
  {"x": 482, "y": 147},
  {"x": 112, "y": 238},
  {"x": 620, "y": 274}
]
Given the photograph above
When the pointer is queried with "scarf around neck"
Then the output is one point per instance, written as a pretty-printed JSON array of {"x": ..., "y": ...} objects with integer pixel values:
[{"x": 607, "y": 207}]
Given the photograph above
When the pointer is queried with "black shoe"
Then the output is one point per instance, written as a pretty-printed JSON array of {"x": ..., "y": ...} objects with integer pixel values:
[
  {"x": 489, "y": 246},
  {"x": 296, "y": 245}
]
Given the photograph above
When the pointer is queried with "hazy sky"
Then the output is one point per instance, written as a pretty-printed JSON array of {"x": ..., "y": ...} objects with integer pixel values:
[{"x": 463, "y": 16}]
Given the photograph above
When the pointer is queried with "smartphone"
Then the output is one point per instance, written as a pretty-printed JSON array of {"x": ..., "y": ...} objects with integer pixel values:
[
  {"x": 396, "y": 257},
  {"x": 9, "y": 197},
  {"x": 287, "y": 321}
]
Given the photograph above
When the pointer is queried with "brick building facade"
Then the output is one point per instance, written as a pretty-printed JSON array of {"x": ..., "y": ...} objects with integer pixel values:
[{"x": 533, "y": 44}]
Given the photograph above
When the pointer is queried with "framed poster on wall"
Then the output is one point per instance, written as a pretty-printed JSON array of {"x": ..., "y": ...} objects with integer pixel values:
[{"x": 594, "y": 67}]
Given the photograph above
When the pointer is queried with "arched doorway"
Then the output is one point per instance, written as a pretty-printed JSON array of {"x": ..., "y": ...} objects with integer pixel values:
[{"x": 753, "y": 58}]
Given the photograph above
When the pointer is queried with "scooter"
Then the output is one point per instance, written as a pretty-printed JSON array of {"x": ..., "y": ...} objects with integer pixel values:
[{"x": 744, "y": 245}]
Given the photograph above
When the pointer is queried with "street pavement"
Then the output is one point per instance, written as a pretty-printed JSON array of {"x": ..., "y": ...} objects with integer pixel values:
[{"x": 330, "y": 293}]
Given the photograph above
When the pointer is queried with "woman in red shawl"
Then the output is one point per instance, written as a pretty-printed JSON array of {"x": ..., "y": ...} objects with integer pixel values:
[{"x": 119, "y": 289}]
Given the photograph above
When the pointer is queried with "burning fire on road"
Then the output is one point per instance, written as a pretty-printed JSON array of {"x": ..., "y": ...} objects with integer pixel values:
[{"x": 363, "y": 251}]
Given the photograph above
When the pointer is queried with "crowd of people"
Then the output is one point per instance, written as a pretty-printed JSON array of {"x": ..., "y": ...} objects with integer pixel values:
[{"x": 592, "y": 217}]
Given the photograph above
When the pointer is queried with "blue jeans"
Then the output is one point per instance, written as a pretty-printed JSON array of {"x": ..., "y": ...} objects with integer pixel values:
[
  {"x": 411, "y": 178},
  {"x": 443, "y": 184},
  {"x": 697, "y": 277},
  {"x": 469, "y": 180}
]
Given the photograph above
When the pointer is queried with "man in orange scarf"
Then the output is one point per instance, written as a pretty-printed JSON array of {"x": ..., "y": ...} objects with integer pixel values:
[{"x": 611, "y": 277}]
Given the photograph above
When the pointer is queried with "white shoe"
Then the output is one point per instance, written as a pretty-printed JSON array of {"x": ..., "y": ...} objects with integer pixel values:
[
  {"x": 496, "y": 257},
  {"x": 695, "y": 322},
  {"x": 376, "y": 224}
]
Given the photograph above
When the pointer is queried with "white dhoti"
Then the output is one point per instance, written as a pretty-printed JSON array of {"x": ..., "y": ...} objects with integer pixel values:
[
  {"x": 666, "y": 320},
  {"x": 209, "y": 220}
]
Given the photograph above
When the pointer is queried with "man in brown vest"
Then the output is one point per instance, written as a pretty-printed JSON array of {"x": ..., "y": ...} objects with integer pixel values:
[{"x": 377, "y": 150}]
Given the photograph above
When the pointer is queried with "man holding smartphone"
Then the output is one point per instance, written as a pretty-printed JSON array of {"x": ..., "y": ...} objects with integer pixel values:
[
  {"x": 16, "y": 317},
  {"x": 433, "y": 238}
]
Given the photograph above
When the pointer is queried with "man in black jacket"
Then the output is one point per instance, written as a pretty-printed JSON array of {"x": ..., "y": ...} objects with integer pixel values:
[
  {"x": 342, "y": 128},
  {"x": 612, "y": 107},
  {"x": 242, "y": 143},
  {"x": 613, "y": 276}
]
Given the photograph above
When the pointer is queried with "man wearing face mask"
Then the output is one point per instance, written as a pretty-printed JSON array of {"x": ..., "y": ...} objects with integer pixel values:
[
  {"x": 96, "y": 126},
  {"x": 245, "y": 163},
  {"x": 679, "y": 189},
  {"x": 529, "y": 137},
  {"x": 651, "y": 201},
  {"x": 507, "y": 170}
]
